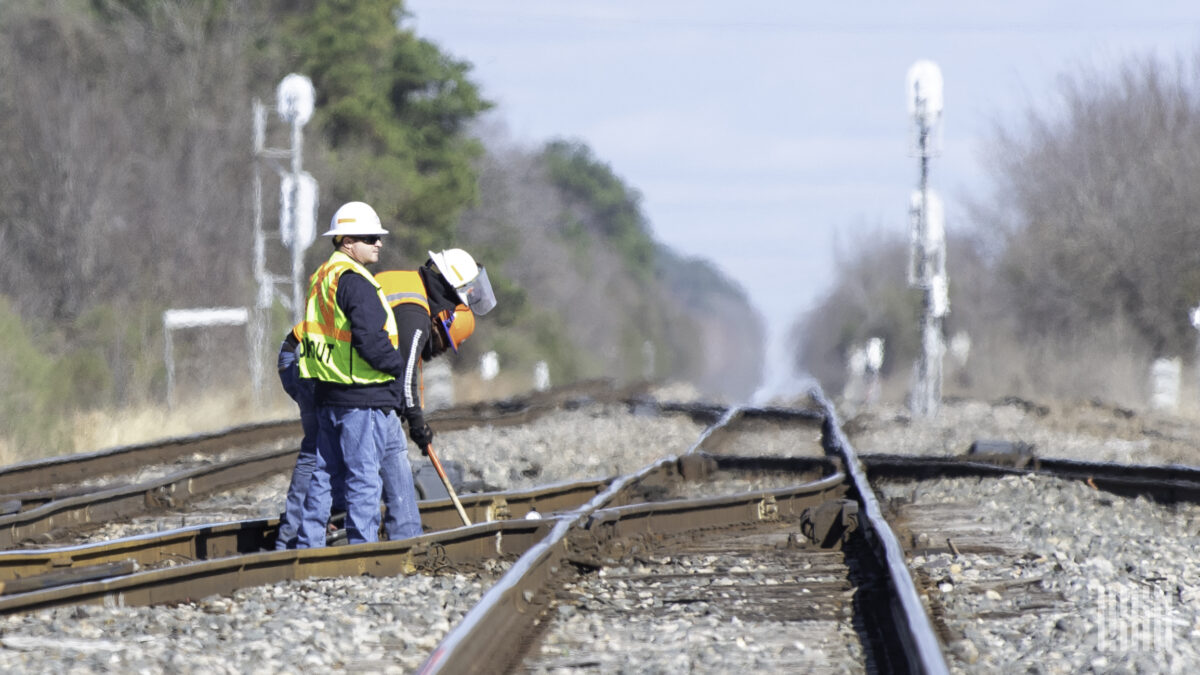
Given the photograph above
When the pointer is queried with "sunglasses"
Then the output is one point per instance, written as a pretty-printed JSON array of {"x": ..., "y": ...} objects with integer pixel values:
[{"x": 368, "y": 240}]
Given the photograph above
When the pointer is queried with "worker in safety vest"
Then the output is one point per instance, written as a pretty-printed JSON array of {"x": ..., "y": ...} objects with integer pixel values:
[
  {"x": 348, "y": 343},
  {"x": 431, "y": 318},
  {"x": 427, "y": 331},
  {"x": 301, "y": 391}
]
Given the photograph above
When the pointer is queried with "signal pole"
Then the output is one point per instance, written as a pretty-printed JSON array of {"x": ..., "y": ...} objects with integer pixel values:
[
  {"x": 927, "y": 253},
  {"x": 294, "y": 99}
]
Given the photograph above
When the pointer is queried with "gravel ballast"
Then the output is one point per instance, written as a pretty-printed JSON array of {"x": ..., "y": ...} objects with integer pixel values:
[{"x": 1121, "y": 572}]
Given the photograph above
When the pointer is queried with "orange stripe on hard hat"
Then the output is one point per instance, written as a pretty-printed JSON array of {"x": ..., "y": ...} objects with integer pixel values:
[{"x": 346, "y": 220}]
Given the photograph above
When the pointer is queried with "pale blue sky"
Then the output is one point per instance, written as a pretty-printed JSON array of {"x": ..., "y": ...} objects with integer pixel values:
[{"x": 763, "y": 133}]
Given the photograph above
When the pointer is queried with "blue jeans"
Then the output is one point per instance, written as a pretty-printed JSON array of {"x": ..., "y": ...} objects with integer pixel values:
[
  {"x": 402, "y": 519},
  {"x": 350, "y": 443},
  {"x": 301, "y": 392}
]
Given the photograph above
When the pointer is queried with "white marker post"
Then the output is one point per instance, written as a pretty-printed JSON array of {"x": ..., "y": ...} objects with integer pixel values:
[{"x": 177, "y": 319}]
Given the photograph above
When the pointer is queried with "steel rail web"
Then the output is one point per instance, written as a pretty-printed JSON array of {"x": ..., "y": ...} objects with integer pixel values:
[
  {"x": 1169, "y": 483},
  {"x": 214, "y": 540},
  {"x": 482, "y": 636},
  {"x": 128, "y": 500},
  {"x": 44, "y": 473},
  {"x": 482, "y": 641},
  {"x": 122, "y": 501},
  {"x": 223, "y": 576},
  {"x": 485, "y": 630},
  {"x": 47, "y": 472},
  {"x": 924, "y": 649}
]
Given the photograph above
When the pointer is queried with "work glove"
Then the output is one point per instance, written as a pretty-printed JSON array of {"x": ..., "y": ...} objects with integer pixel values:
[{"x": 422, "y": 436}]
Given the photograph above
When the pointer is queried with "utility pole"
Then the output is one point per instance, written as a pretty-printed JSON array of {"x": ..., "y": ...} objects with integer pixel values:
[{"x": 927, "y": 259}]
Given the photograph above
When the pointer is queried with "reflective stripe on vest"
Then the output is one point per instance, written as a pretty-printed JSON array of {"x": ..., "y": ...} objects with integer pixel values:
[
  {"x": 325, "y": 350},
  {"x": 403, "y": 287}
]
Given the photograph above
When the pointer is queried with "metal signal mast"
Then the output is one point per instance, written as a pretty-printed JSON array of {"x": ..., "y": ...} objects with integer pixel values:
[
  {"x": 294, "y": 99},
  {"x": 927, "y": 252}
]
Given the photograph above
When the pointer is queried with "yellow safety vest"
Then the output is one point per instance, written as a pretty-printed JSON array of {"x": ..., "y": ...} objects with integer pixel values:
[
  {"x": 403, "y": 287},
  {"x": 325, "y": 350}
]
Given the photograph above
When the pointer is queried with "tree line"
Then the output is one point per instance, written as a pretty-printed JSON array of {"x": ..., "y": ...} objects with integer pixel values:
[{"x": 125, "y": 189}]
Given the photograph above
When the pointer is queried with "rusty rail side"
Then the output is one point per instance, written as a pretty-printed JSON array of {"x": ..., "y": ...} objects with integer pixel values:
[
  {"x": 490, "y": 637},
  {"x": 39, "y": 474},
  {"x": 682, "y": 515},
  {"x": 46, "y": 473},
  {"x": 483, "y": 641},
  {"x": 222, "y": 576},
  {"x": 1172, "y": 483},
  {"x": 923, "y": 650},
  {"x": 210, "y": 541},
  {"x": 225, "y": 575},
  {"x": 158, "y": 494},
  {"x": 126, "y": 501}
]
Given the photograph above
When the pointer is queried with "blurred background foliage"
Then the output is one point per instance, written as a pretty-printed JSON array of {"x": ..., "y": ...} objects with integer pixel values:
[{"x": 126, "y": 189}]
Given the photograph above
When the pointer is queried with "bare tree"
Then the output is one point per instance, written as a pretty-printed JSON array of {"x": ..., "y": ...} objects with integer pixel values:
[{"x": 1099, "y": 208}]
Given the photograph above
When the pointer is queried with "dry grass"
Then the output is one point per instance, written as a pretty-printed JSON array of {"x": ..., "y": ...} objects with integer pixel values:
[
  {"x": 97, "y": 430},
  {"x": 202, "y": 413}
]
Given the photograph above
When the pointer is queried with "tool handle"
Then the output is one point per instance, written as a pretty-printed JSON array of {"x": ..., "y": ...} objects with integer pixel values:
[{"x": 462, "y": 513}]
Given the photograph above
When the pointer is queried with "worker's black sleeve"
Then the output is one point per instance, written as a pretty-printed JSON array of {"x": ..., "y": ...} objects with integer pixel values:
[
  {"x": 413, "y": 325},
  {"x": 368, "y": 317}
]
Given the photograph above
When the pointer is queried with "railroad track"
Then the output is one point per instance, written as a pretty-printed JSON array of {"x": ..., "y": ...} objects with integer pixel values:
[
  {"x": 767, "y": 522},
  {"x": 51, "y": 501}
]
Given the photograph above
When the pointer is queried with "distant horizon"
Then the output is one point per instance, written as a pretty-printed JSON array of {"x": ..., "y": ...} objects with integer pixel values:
[{"x": 761, "y": 136}]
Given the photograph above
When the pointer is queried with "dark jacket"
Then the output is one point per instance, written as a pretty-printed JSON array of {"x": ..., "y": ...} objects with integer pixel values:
[
  {"x": 360, "y": 301},
  {"x": 415, "y": 326}
]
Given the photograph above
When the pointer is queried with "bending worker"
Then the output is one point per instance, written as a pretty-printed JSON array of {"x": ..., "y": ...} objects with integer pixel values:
[
  {"x": 431, "y": 318},
  {"x": 348, "y": 347}
]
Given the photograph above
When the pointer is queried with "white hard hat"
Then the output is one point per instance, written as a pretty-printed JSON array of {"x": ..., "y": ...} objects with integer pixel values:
[
  {"x": 456, "y": 265},
  {"x": 354, "y": 218},
  {"x": 467, "y": 277}
]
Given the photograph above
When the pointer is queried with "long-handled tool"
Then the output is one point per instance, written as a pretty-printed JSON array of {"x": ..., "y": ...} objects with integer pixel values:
[{"x": 462, "y": 513}]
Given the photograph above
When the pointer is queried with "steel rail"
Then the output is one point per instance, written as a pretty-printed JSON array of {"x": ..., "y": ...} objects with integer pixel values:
[
  {"x": 153, "y": 495},
  {"x": 124, "y": 501},
  {"x": 683, "y": 515},
  {"x": 223, "y": 576},
  {"x": 488, "y": 639},
  {"x": 194, "y": 580},
  {"x": 43, "y": 474},
  {"x": 46, "y": 473},
  {"x": 483, "y": 641},
  {"x": 1171, "y": 483},
  {"x": 484, "y": 633},
  {"x": 219, "y": 540},
  {"x": 923, "y": 649}
]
